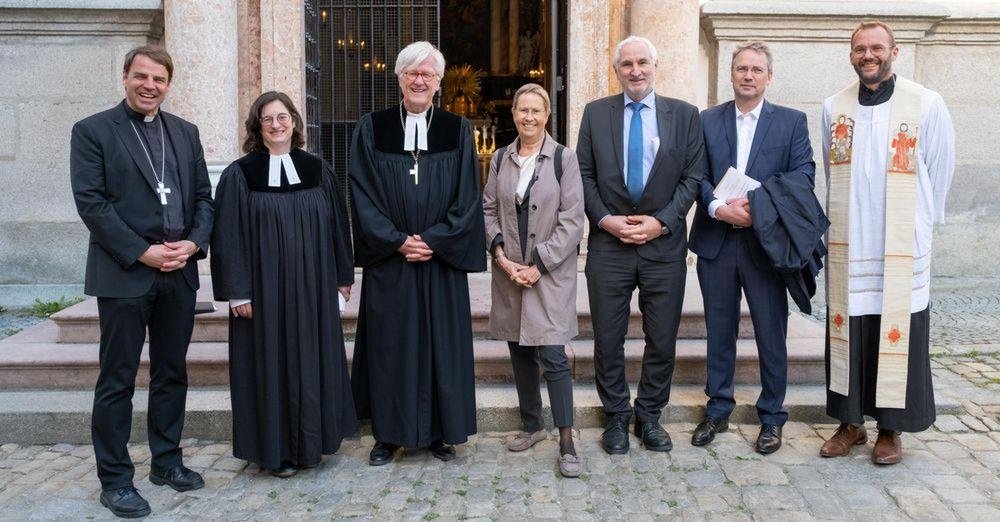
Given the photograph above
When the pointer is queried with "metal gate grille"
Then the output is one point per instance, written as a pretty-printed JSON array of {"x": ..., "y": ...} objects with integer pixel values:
[
  {"x": 358, "y": 44},
  {"x": 312, "y": 75}
]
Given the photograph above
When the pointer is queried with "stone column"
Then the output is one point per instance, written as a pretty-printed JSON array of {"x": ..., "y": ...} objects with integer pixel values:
[
  {"x": 201, "y": 38},
  {"x": 282, "y": 49},
  {"x": 672, "y": 26},
  {"x": 590, "y": 62}
]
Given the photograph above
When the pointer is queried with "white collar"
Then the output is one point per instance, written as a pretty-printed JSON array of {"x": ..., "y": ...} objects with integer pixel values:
[
  {"x": 649, "y": 101},
  {"x": 416, "y": 126},
  {"x": 755, "y": 111},
  {"x": 274, "y": 170}
]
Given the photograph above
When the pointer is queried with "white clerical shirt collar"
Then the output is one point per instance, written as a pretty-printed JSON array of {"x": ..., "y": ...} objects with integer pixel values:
[
  {"x": 416, "y": 126},
  {"x": 274, "y": 170}
]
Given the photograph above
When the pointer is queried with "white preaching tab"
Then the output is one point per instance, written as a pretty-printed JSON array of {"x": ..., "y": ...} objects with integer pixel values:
[
  {"x": 734, "y": 184},
  {"x": 416, "y": 129},
  {"x": 274, "y": 171}
]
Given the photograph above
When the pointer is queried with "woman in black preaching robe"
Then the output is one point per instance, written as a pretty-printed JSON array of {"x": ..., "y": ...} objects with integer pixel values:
[
  {"x": 280, "y": 255},
  {"x": 418, "y": 232}
]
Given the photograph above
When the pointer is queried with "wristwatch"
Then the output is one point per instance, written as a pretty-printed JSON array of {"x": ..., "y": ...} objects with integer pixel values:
[{"x": 665, "y": 231}]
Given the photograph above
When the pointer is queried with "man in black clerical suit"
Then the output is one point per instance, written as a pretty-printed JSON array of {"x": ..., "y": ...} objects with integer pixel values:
[
  {"x": 639, "y": 181},
  {"x": 141, "y": 187}
]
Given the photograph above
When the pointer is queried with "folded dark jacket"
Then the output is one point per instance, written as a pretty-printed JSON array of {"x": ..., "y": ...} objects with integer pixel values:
[{"x": 790, "y": 223}]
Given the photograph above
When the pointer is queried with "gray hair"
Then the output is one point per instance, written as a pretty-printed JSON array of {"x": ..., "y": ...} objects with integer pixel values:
[
  {"x": 633, "y": 39},
  {"x": 756, "y": 46},
  {"x": 417, "y": 52},
  {"x": 531, "y": 88}
]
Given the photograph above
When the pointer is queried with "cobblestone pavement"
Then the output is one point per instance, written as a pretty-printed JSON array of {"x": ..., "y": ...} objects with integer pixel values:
[{"x": 950, "y": 472}]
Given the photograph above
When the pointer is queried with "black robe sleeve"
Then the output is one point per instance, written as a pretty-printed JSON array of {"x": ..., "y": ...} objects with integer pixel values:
[
  {"x": 231, "y": 273},
  {"x": 340, "y": 230},
  {"x": 459, "y": 239},
  {"x": 375, "y": 236}
]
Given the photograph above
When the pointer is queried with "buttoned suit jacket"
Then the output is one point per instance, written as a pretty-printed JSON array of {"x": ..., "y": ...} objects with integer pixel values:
[
  {"x": 114, "y": 189},
  {"x": 780, "y": 145},
  {"x": 670, "y": 188}
]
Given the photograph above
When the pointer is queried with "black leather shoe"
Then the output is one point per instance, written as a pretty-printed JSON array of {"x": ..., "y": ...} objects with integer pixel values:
[
  {"x": 125, "y": 502},
  {"x": 615, "y": 437},
  {"x": 769, "y": 439},
  {"x": 287, "y": 469},
  {"x": 178, "y": 477},
  {"x": 654, "y": 437},
  {"x": 442, "y": 451},
  {"x": 706, "y": 430},
  {"x": 382, "y": 453}
]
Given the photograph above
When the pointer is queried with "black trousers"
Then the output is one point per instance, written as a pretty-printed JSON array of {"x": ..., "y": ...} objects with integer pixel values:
[
  {"x": 558, "y": 379},
  {"x": 721, "y": 279},
  {"x": 612, "y": 276},
  {"x": 919, "y": 413},
  {"x": 167, "y": 310}
]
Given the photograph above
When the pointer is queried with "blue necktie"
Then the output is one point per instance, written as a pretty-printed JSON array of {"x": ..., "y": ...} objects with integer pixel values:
[{"x": 634, "y": 175}]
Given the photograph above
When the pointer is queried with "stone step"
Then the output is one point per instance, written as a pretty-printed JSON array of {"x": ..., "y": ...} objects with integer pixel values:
[
  {"x": 34, "y": 360},
  {"x": 79, "y": 323},
  {"x": 51, "y": 417}
]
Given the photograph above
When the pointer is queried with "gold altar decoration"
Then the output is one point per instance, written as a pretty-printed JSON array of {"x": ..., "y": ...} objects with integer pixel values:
[{"x": 460, "y": 89}]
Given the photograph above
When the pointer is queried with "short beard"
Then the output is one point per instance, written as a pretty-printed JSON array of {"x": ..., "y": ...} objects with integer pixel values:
[{"x": 883, "y": 73}]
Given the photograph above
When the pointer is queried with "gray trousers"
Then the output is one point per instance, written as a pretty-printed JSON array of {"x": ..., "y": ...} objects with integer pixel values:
[{"x": 558, "y": 379}]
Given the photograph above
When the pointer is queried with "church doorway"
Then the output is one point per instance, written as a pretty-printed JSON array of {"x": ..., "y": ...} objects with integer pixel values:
[{"x": 493, "y": 47}]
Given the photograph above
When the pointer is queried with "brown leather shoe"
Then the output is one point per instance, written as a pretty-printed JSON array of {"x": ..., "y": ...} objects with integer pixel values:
[
  {"x": 888, "y": 448},
  {"x": 847, "y": 436}
]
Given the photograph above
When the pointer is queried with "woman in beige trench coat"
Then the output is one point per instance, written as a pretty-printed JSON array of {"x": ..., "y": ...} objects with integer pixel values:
[{"x": 534, "y": 224}]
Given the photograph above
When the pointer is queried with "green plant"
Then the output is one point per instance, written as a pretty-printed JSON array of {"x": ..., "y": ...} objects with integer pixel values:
[{"x": 47, "y": 308}]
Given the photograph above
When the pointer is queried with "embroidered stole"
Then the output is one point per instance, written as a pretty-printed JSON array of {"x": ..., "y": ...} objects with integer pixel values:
[{"x": 900, "y": 212}]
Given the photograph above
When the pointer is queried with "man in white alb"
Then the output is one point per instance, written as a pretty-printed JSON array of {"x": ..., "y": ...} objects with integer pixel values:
[{"x": 889, "y": 151}]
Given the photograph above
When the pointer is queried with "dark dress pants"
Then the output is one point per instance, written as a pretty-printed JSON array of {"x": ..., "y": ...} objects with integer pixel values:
[
  {"x": 168, "y": 311},
  {"x": 742, "y": 264},
  {"x": 612, "y": 276},
  {"x": 558, "y": 379}
]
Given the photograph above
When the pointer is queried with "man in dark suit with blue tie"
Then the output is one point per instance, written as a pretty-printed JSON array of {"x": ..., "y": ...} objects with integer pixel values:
[
  {"x": 141, "y": 187},
  {"x": 641, "y": 159},
  {"x": 758, "y": 139}
]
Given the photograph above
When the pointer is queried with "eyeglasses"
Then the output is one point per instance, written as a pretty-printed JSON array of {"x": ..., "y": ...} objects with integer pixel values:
[
  {"x": 877, "y": 50},
  {"x": 412, "y": 76},
  {"x": 743, "y": 69},
  {"x": 524, "y": 112},
  {"x": 282, "y": 119}
]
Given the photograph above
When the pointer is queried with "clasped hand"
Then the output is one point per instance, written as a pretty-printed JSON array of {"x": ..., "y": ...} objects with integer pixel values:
[
  {"x": 634, "y": 230},
  {"x": 521, "y": 275},
  {"x": 736, "y": 211},
  {"x": 168, "y": 256},
  {"x": 415, "y": 250}
]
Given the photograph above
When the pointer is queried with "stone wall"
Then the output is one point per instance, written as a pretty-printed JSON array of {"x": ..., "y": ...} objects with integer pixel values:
[{"x": 61, "y": 61}]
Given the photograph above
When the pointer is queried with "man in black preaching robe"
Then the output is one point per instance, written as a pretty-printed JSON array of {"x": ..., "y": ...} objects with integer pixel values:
[{"x": 418, "y": 230}]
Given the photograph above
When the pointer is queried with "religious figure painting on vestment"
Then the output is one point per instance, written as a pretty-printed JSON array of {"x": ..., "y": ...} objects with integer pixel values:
[
  {"x": 904, "y": 147},
  {"x": 842, "y": 134}
]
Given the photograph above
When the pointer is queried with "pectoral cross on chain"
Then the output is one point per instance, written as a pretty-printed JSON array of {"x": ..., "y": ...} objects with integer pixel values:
[
  {"x": 162, "y": 190},
  {"x": 415, "y": 172}
]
